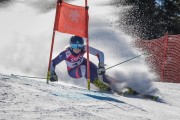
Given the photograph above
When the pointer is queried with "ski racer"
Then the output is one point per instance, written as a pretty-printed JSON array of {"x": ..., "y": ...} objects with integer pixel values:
[
  {"x": 77, "y": 67},
  {"x": 77, "y": 64}
]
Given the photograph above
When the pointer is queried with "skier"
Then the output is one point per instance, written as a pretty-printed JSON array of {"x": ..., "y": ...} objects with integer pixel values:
[{"x": 77, "y": 64}]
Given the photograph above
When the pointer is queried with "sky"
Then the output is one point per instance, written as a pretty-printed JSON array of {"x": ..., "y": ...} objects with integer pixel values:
[{"x": 159, "y": 2}]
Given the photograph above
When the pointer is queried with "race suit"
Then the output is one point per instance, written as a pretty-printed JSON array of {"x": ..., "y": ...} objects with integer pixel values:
[{"x": 77, "y": 64}]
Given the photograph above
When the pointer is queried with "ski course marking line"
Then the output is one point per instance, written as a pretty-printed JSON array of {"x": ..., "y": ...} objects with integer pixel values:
[{"x": 85, "y": 95}]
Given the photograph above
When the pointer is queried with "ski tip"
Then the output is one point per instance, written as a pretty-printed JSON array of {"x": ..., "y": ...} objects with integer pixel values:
[{"x": 160, "y": 100}]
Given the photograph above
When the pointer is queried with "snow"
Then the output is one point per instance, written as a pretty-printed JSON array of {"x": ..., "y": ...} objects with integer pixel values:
[
  {"x": 33, "y": 99},
  {"x": 25, "y": 34}
]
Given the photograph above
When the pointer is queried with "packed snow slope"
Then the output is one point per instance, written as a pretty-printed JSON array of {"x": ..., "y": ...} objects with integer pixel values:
[{"x": 32, "y": 99}]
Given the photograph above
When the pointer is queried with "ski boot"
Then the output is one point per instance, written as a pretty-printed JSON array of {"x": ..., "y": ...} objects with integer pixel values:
[
  {"x": 130, "y": 92},
  {"x": 101, "y": 85},
  {"x": 154, "y": 98}
]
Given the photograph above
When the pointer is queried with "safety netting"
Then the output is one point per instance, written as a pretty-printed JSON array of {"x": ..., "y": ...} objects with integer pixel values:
[{"x": 164, "y": 56}]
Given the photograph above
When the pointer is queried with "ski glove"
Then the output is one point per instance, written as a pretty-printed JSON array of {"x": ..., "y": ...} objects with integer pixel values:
[
  {"x": 101, "y": 69},
  {"x": 53, "y": 77}
]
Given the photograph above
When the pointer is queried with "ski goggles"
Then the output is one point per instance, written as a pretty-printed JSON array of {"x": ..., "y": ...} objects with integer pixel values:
[{"x": 76, "y": 46}]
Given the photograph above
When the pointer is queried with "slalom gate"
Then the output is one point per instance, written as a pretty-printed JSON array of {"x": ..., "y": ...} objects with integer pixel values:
[{"x": 164, "y": 56}]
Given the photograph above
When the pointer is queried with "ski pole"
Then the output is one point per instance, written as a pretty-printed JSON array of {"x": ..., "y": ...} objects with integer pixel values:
[{"x": 126, "y": 61}]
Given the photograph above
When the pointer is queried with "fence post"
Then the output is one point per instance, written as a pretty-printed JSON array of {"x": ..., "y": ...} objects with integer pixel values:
[{"x": 165, "y": 57}]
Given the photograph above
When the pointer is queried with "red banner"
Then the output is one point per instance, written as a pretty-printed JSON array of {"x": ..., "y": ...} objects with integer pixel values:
[{"x": 71, "y": 19}]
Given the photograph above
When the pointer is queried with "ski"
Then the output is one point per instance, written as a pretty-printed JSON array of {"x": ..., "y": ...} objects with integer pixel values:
[{"x": 131, "y": 93}]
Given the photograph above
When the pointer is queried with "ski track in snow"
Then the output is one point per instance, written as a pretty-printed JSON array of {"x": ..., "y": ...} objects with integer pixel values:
[{"x": 33, "y": 99}]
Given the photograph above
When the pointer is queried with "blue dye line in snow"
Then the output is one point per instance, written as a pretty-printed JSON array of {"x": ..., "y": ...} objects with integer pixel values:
[{"x": 87, "y": 95}]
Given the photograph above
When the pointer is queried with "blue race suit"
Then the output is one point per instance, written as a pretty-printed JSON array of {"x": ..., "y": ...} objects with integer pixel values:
[{"x": 77, "y": 64}]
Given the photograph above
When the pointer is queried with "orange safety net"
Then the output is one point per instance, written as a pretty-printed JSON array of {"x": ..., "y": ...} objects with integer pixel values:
[{"x": 164, "y": 56}]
